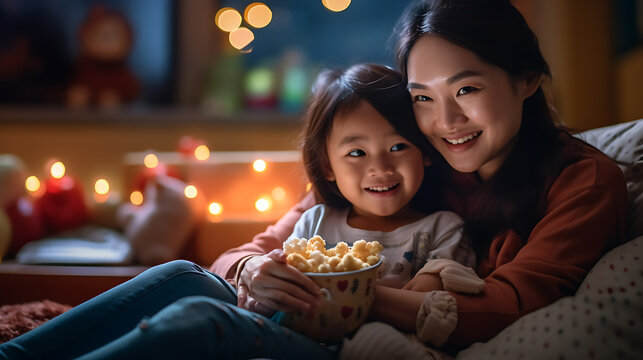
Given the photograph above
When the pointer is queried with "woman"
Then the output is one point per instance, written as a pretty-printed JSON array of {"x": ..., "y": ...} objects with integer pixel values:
[{"x": 540, "y": 206}]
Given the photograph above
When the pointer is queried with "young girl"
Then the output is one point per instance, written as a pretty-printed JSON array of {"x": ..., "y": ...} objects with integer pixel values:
[{"x": 361, "y": 149}]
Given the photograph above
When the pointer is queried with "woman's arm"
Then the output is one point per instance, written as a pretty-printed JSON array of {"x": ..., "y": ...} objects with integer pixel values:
[
  {"x": 585, "y": 217},
  {"x": 226, "y": 264}
]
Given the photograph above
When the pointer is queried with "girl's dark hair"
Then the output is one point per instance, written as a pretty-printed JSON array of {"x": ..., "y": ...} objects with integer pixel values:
[
  {"x": 338, "y": 91},
  {"x": 514, "y": 197}
]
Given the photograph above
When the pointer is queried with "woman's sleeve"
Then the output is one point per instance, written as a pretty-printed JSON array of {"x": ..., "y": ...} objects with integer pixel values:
[
  {"x": 226, "y": 264},
  {"x": 585, "y": 217}
]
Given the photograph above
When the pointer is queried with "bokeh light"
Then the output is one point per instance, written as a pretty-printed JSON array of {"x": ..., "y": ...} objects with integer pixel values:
[
  {"x": 57, "y": 170},
  {"x": 136, "y": 197},
  {"x": 259, "y": 165},
  {"x": 202, "y": 152},
  {"x": 336, "y": 5},
  {"x": 258, "y": 15},
  {"x": 190, "y": 191},
  {"x": 101, "y": 186},
  {"x": 278, "y": 193},
  {"x": 263, "y": 204},
  {"x": 228, "y": 19},
  {"x": 241, "y": 37},
  {"x": 151, "y": 161},
  {"x": 215, "y": 208},
  {"x": 32, "y": 184}
]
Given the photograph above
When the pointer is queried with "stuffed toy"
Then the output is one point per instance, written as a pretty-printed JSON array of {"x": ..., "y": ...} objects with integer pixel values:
[
  {"x": 103, "y": 77},
  {"x": 20, "y": 220},
  {"x": 160, "y": 228}
]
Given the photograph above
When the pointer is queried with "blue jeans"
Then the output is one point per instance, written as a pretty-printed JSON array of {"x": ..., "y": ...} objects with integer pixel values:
[{"x": 176, "y": 310}]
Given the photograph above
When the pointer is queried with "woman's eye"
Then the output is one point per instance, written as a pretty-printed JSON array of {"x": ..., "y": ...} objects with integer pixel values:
[
  {"x": 417, "y": 98},
  {"x": 356, "y": 153},
  {"x": 466, "y": 90},
  {"x": 399, "y": 147}
]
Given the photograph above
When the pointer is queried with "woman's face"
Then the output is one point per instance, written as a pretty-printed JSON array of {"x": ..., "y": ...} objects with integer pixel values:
[{"x": 469, "y": 110}]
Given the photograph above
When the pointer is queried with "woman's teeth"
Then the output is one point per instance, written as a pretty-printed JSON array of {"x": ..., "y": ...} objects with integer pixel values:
[{"x": 463, "y": 140}]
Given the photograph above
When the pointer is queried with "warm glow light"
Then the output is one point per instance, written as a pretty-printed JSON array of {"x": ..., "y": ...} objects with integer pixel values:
[
  {"x": 241, "y": 37},
  {"x": 309, "y": 186},
  {"x": 263, "y": 204},
  {"x": 136, "y": 197},
  {"x": 215, "y": 208},
  {"x": 101, "y": 186},
  {"x": 58, "y": 170},
  {"x": 228, "y": 19},
  {"x": 336, "y": 5},
  {"x": 190, "y": 191},
  {"x": 151, "y": 161},
  {"x": 278, "y": 193},
  {"x": 258, "y": 15},
  {"x": 202, "y": 152},
  {"x": 259, "y": 165},
  {"x": 32, "y": 183}
]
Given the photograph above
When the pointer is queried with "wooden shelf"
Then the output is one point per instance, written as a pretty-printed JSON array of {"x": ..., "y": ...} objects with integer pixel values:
[{"x": 70, "y": 285}]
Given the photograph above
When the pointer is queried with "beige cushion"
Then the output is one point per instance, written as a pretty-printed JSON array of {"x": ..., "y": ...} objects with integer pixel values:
[{"x": 604, "y": 320}]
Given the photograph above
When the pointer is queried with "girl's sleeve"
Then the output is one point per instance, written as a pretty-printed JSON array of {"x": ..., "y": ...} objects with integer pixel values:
[
  {"x": 226, "y": 264},
  {"x": 448, "y": 240},
  {"x": 585, "y": 217}
]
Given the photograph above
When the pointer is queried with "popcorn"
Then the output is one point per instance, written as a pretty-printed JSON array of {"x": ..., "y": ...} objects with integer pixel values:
[{"x": 311, "y": 255}]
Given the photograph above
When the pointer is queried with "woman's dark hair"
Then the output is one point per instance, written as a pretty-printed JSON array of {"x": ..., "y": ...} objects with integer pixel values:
[
  {"x": 338, "y": 91},
  {"x": 514, "y": 197}
]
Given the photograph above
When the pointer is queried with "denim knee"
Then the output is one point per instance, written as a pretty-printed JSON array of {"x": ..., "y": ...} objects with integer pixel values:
[{"x": 177, "y": 267}]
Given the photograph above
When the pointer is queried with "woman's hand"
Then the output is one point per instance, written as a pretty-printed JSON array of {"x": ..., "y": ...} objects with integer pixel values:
[{"x": 267, "y": 283}]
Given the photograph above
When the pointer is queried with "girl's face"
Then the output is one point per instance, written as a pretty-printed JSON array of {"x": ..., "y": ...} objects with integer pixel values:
[
  {"x": 469, "y": 110},
  {"x": 376, "y": 169}
]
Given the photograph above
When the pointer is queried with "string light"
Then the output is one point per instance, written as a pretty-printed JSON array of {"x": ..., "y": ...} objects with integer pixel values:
[
  {"x": 151, "y": 161},
  {"x": 258, "y": 15},
  {"x": 215, "y": 208},
  {"x": 336, "y": 5},
  {"x": 101, "y": 186},
  {"x": 32, "y": 184},
  {"x": 278, "y": 193},
  {"x": 228, "y": 19},
  {"x": 259, "y": 165},
  {"x": 136, "y": 198},
  {"x": 202, "y": 152},
  {"x": 241, "y": 37},
  {"x": 190, "y": 191},
  {"x": 57, "y": 170},
  {"x": 263, "y": 204}
]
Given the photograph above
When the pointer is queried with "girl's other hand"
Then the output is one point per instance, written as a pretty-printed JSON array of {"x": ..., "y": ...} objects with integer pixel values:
[{"x": 267, "y": 283}]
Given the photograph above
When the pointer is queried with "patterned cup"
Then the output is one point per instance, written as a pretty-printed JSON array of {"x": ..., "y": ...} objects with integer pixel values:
[{"x": 347, "y": 298}]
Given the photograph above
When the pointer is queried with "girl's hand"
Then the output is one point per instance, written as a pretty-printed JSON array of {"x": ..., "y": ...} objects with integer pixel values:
[
  {"x": 424, "y": 282},
  {"x": 267, "y": 283}
]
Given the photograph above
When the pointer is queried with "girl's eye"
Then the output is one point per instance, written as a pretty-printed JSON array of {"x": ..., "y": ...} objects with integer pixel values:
[
  {"x": 399, "y": 147},
  {"x": 357, "y": 153},
  {"x": 467, "y": 90},
  {"x": 417, "y": 98}
]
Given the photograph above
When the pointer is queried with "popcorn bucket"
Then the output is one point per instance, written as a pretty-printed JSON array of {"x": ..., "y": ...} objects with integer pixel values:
[{"x": 346, "y": 301}]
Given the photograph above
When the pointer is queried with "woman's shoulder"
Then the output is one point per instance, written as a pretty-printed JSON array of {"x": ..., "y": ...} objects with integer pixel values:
[{"x": 588, "y": 169}]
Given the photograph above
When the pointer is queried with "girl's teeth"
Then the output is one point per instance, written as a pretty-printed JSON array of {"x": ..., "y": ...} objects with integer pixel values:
[
  {"x": 381, "y": 188},
  {"x": 462, "y": 140}
]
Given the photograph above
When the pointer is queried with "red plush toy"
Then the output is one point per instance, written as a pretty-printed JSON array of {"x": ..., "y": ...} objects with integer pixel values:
[{"x": 103, "y": 77}]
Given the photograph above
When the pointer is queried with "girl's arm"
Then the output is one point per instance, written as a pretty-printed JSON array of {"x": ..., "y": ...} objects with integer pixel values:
[{"x": 396, "y": 307}]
